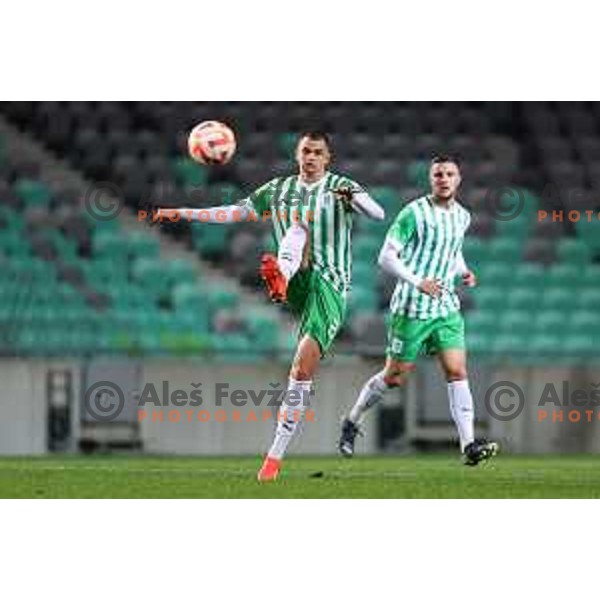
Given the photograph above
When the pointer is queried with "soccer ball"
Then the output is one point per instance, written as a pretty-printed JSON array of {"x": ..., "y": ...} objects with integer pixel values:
[{"x": 212, "y": 143}]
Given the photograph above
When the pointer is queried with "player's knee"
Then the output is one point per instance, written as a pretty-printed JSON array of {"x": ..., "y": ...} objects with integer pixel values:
[
  {"x": 458, "y": 373},
  {"x": 300, "y": 372},
  {"x": 394, "y": 381},
  {"x": 396, "y": 375}
]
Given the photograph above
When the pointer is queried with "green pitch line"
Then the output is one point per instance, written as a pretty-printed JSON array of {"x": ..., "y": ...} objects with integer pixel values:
[{"x": 362, "y": 477}]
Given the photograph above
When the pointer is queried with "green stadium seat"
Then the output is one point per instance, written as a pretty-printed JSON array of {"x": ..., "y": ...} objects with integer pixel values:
[
  {"x": 14, "y": 221},
  {"x": 418, "y": 174},
  {"x": 389, "y": 198},
  {"x": 498, "y": 274},
  {"x": 528, "y": 275},
  {"x": 564, "y": 276},
  {"x": 263, "y": 329},
  {"x": 588, "y": 233},
  {"x": 590, "y": 276},
  {"x": 234, "y": 347},
  {"x": 150, "y": 341},
  {"x": 366, "y": 248},
  {"x": 580, "y": 343},
  {"x": 33, "y": 193},
  {"x": 189, "y": 173},
  {"x": 109, "y": 245},
  {"x": 287, "y": 144},
  {"x": 224, "y": 194},
  {"x": 210, "y": 240},
  {"x": 515, "y": 320},
  {"x": 180, "y": 271},
  {"x": 67, "y": 248},
  {"x": 14, "y": 245},
  {"x": 482, "y": 322},
  {"x": 364, "y": 273},
  {"x": 551, "y": 321},
  {"x": 142, "y": 245},
  {"x": 491, "y": 298},
  {"x": 363, "y": 298},
  {"x": 574, "y": 251},
  {"x": 503, "y": 248},
  {"x": 478, "y": 343},
  {"x": 477, "y": 254},
  {"x": 523, "y": 298},
  {"x": 516, "y": 229},
  {"x": 189, "y": 297},
  {"x": 587, "y": 299},
  {"x": 584, "y": 322},
  {"x": 104, "y": 275},
  {"x": 556, "y": 299},
  {"x": 510, "y": 343},
  {"x": 221, "y": 298},
  {"x": 549, "y": 344}
]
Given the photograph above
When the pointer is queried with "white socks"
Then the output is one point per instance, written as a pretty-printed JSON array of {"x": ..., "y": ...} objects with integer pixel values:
[
  {"x": 291, "y": 250},
  {"x": 372, "y": 393},
  {"x": 459, "y": 395},
  {"x": 461, "y": 409},
  {"x": 290, "y": 414}
]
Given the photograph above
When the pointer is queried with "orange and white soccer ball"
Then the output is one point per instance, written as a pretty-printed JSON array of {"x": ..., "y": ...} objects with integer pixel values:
[{"x": 212, "y": 143}]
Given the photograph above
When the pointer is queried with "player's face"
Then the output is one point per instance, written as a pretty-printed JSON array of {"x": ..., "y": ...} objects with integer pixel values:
[
  {"x": 445, "y": 180},
  {"x": 313, "y": 158}
]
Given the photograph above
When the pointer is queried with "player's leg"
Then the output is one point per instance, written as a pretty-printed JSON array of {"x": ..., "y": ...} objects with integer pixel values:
[
  {"x": 448, "y": 341},
  {"x": 453, "y": 362},
  {"x": 405, "y": 339},
  {"x": 323, "y": 312},
  {"x": 295, "y": 402},
  {"x": 394, "y": 375},
  {"x": 278, "y": 271}
]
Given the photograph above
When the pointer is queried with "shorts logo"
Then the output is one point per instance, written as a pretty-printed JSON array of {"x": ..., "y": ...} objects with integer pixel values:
[{"x": 397, "y": 346}]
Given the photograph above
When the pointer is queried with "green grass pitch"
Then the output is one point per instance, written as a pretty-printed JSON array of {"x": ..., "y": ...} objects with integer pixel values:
[{"x": 363, "y": 477}]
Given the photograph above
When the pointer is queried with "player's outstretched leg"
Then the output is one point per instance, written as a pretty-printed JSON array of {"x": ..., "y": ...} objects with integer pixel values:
[
  {"x": 371, "y": 394},
  {"x": 276, "y": 272},
  {"x": 453, "y": 363},
  {"x": 293, "y": 407}
]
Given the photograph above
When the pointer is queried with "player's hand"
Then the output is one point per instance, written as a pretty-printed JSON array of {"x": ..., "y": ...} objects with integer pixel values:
[
  {"x": 469, "y": 279},
  {"x": 431, "y": 287},
  {"x": 343, "y": 194}
]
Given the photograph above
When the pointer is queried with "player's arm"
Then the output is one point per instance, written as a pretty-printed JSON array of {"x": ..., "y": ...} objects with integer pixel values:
[
  {"x": 460, "y": 266},
  {"x": 462, "y": 270},
  {"x": 401, "y": 232},
  {"x": 359, "y": 201}
]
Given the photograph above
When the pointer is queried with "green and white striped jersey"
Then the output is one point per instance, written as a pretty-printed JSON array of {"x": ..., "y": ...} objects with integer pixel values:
[
  {"x": 290, "y": 200},
  {"x": 431, "y": 238}
]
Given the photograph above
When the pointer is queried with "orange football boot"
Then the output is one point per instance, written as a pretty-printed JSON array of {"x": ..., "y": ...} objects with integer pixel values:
[
  {"x": 270, "y": 470},
  {"x": 274, "y": 279}
]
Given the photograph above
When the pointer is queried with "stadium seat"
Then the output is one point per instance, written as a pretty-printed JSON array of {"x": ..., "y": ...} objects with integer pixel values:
[
  {"x": 556, "y": 298},
  {"x": 573, "y": 251},
  {"x": 523, "y": 298}
]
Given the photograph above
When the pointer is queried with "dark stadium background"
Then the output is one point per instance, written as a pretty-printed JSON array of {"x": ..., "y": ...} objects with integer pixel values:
[{"x": 85, "y": 296}]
